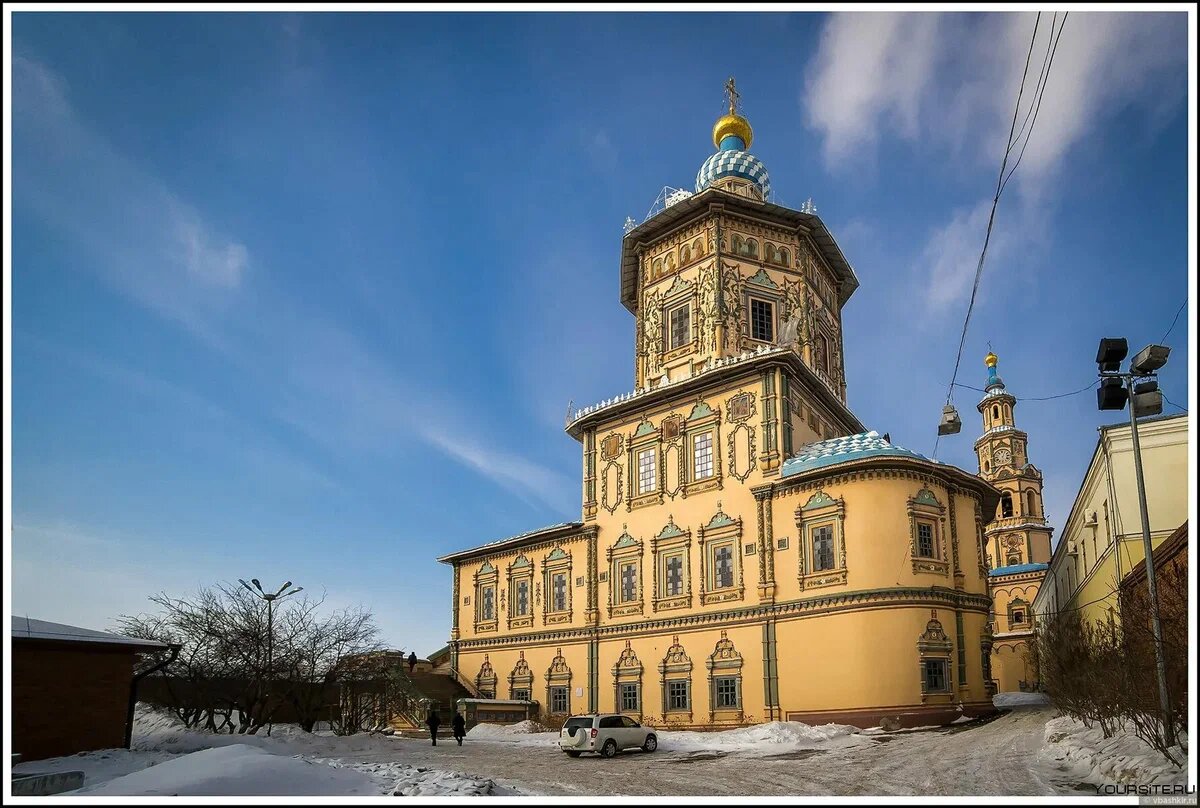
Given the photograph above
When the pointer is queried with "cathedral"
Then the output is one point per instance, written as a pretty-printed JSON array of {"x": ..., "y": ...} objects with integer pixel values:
[{"x": 747, "y": 550}]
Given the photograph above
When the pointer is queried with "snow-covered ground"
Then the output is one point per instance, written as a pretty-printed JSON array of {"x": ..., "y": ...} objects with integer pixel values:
[
  {"x": 1085, "y": 755},
  {"x": 1020, "y": 699},
  {"x": 169, "y": 759}
]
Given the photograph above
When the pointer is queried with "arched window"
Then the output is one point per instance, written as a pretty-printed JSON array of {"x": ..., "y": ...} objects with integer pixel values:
[
  {"x": 1030, "y": 503},
  {"x": 698, "y": 247},
  {"x": 987, "y": 467},
  {"x": 735, "y": 243},
  {"x": 784, "y": 257},
  {"x": 1008, "y": 412},
  {"x": 685, "y": 254},
  {"x": 995, "y": 413},
  {"x": 656, "y": 269},
  {"x": 751, "y": 248},
  {"x": 1006, "y": 504}
]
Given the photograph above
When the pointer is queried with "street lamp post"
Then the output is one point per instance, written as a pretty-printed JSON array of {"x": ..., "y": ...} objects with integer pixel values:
[
  {"x": 1140, "y": 388},
  {"x": 270, "y": 598}
]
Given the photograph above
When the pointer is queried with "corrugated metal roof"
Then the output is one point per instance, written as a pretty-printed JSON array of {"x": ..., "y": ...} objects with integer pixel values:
[{"x": 30, "y": 629}]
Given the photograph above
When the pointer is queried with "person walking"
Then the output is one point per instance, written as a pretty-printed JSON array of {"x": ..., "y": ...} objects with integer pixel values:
[
  {"x": 460, "y": 727},
  {"x": 412, "y": 661},
  {"x": 433, "y": 722}
]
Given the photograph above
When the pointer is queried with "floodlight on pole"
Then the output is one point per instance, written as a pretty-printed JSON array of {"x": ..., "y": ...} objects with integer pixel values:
[
  {"x": 270, "y": 599},
  {"x": 1144, "y": 398}
]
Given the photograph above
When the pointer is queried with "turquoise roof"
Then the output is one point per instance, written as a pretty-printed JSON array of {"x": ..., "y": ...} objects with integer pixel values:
[
  {"x": 1017, "y": 568},
  {"x": 843, "y": 450}
]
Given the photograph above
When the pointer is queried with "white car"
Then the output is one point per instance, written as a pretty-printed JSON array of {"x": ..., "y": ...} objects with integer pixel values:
[{"x": 605, "y": 734}]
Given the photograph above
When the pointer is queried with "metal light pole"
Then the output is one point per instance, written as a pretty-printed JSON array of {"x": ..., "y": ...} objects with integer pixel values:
[
  {"x": 1164, "y": 697},
  {"x": 270, "y": 598},
  {"x": 1143, "y": 395}
]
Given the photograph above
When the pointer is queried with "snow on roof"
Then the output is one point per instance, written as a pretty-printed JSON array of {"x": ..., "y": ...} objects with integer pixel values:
[
  {"x": 844, "y": 449},
  {"x": 1015, "y": 569},
  {"x": 30, "y": 629}
]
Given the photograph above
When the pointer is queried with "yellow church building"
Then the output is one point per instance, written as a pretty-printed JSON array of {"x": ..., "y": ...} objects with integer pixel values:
[{"x": 747, "y": 550}]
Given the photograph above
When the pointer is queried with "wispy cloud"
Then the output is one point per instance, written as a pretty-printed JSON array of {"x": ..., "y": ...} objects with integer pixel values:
[
  {"x": 161, "y": 252},
  {"x": 948, "y": 83}
]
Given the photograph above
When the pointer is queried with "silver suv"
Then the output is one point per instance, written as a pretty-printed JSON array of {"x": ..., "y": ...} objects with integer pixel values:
[{"x": 605, "y": 733}]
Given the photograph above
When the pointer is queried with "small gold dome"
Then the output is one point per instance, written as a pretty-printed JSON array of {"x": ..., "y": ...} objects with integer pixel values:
[
  {"x": 732, "y": 124},
  {"x": 991, "y": 359}
]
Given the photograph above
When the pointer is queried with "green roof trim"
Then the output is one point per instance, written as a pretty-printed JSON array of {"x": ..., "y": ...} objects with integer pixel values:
[
  {"x": 644, "y": 428},
  {"x": 818, "y": 500},
  {"x": 626, "y": 540},
  {"x": 487, "y": 567},
  {"x": 701, "y": 410},
  {"x": 761, "y": 278},
  {"x": 521, "y": 561},
  {"x": 926, "y": 497},
  {"x": 556, "y": 554},
  {"x": 670, "y": 529}
]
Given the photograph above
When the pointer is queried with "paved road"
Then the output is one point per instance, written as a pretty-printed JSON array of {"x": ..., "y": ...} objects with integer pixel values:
[{"x": 996, "y": 757}]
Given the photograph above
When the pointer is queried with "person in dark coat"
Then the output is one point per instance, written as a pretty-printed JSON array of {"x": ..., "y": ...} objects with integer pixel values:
[
  {"x": 412, "y": 660},
  {"x": 460, "y": 727},
  {"x": 433, "y": 722}
]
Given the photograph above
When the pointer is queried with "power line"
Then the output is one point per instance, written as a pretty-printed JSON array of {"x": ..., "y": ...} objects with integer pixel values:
[
  {"x": 1040, "y": 90},
  {"x": 1172, "y": 403},
  {"x": 991, "y": 221},
  {"x": 1037, "y": 398},
  {"x": 1163, "y": 341}
]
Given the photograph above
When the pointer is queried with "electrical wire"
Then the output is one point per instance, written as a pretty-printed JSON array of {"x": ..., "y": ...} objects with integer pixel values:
[
  {"x": 1037, "y": 398},
  {"x": 1172, "y": 403},
  {"x": 1040, "y": 90},
  {"x": 991, "y": 221},
  {"x": 1163, "y": 341}
]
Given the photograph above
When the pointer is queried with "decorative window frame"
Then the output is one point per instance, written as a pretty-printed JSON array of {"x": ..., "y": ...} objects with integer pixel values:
[
  {"x": 558, "y": 675},
  {"x": 1023, "y": 605},
  {"x": 679, "y": 295},
  {"x": 724, "y": 663},
  {"x": 720, "y": 531},
  {"x": 924, "y": 507},
  {"x": 676, "y": 666},
  {"x": 557, "y": 562},
  {"x": 628, "y": 671},
  {"x": 702, "y": 419},
  {"x": 751, "y": 410},
  {"x": 645, "y": 437},
  {"x": 763, "y": 294},
  {"x": 933, "y": 644},
  {"x": 671, "y": 541},
  {"x": 521, "y": 570},
  {"x": 521, "y": 678},
  {"x": 626, "y": 550},
  {"x": 485, "y": 680},
  {"x": 487, "y": 576},
  {"x": 821, "y": 510}
]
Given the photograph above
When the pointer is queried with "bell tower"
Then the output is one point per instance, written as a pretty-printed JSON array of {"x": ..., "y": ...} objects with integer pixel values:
[{"x": 1018, "y": 533}]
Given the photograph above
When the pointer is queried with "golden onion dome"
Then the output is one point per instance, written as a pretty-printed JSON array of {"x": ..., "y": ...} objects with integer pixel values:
[
  {"x": 732, "y": 124},
  {"x": 991, "y": 359}
]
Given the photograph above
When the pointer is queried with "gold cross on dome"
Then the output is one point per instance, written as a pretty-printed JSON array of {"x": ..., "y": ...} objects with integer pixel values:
[{"x": 732, "y": 94}]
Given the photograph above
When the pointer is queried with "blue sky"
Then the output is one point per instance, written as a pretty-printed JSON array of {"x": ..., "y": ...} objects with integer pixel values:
[{"x": 305, "y": 296}]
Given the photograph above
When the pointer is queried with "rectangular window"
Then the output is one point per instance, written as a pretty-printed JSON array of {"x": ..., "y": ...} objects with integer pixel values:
[
  {"x": 680, "y": 327},
  {"x": 628, "y": 582},
  {"x": 677, "y": 695},
  {"x": 629, "y": 698},
  {"x": 647, "y": 478},
  {"x": 782, "y": 544},
  {"x": 674, "y": 576},
  {"x": 560, "y": 701},
  {"x": 727, "y": 692},
  {"x": 521, "y": 694},
  {"x": 762, "y": 320},
  {"x": 723, "y": 569},
  {"x": 702, "y": 464},
  {"x": 935, "y": 676},
  {"x": 822, "y": 540},
  {"x": 924, "y": 539},
  {"x": 487, "y": 601},
  {"x": 558, "y": 587}
]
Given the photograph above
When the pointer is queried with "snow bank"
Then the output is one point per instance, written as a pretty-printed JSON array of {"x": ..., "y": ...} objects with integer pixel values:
[
  {"x": 772, "y": 737},
  {"x": 1020, "y": 699},
  {"x": 1084, "y": 754},
  {"x": 238, "y": 770},
  {"x": 505, "y": 731}
]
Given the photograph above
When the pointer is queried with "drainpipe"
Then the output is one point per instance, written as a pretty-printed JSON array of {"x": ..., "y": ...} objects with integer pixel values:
[{"x": 133, "y": 687}]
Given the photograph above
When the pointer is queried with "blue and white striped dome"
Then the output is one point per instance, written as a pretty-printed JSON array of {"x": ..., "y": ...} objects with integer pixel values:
[{"x": 734, "y": 163}]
